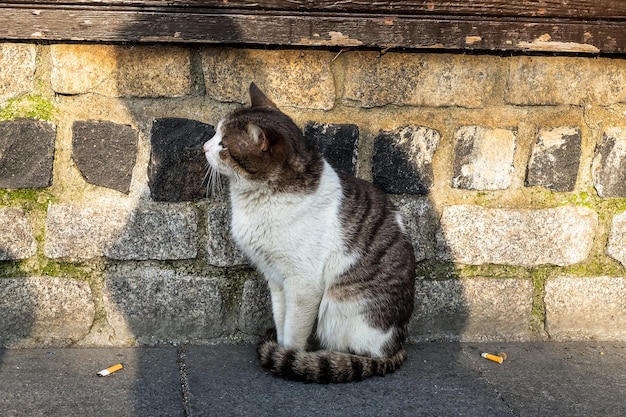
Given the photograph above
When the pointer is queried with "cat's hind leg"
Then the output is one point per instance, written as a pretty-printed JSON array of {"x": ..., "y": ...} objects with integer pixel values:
[{"x": 342, "y": 327}]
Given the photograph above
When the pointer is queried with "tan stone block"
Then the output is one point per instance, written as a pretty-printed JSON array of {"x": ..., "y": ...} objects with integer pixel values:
[
  {"x": 39, "y": 311},
  {"x": 16, "y": 240},
  {"x": 586, "y": 308},
  {"x": 421, "y": 80},
  {"x": 475, "y": 235},
  {"x": 472, "y": 310},
  {"x": 301, "y": 79},
  {"x": 121, "y": 71},
  {"x": 150, "y": 305},
  {"x": 17, "y": 69},
  {"x": 142, "y": 233},
  {"x": 565, "y": 80}
]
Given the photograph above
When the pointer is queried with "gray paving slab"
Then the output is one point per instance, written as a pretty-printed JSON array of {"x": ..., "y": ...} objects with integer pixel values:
[
  {"x": 556, "y": 379},
  {"x": 435, "y": 381},
  {"x": 439, "y": 379},
  {"x": 63, "y": 382}
]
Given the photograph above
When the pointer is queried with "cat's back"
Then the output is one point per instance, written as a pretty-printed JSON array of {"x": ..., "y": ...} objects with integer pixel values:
[{"x": 369, "y": 216}]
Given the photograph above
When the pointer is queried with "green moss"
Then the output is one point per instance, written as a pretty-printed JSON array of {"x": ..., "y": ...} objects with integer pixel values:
[
  {"x": 12, "y": 269},
  {"x": 491, "y": 270},
  {"x": 30, "y": 200},
  {"x": 539, "y": 276},
  {"x": 598, "y": 265},
  {"x": 31, "y": 106},
  {"x": 233, "y": 288},
  {"x": 42, "y": 266}
]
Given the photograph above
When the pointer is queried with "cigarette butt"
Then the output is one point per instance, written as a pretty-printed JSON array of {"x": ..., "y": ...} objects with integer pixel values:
[
  {"x": 491, "y": 357},
  {"x": 110, "y": 370}
]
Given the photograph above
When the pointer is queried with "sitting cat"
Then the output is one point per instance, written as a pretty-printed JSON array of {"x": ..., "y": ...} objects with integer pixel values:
[{"x": 333, "y": 249}]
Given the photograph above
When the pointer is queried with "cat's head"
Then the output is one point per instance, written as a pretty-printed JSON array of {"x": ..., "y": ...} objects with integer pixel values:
[{"x": 261, "y": 146}]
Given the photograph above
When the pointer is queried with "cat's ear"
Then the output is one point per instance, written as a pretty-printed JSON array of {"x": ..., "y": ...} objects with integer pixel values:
[
  {"x": 258, "y": 136},
  {"x": 258, "y": 98}
]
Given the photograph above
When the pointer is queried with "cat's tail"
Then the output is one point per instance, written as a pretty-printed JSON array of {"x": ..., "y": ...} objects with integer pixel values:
[{"x": 323, "y": 367}]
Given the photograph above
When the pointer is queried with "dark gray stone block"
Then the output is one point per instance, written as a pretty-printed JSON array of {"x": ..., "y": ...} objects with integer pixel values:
[
  {"x": 338, "y": 143},
  {"x": 105, "y": 153},
  {"x": 26, "y": 153},
  {"x": 609, "y": 164},
  {"x": 402, "y": 160},
  {"x": 483, "y": 158},
  {"x": 555, "y": 159},
  {"x": 177, "y": 164}
]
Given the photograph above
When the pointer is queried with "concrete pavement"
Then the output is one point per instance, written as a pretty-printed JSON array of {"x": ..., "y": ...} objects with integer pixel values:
[{"x": 439, "y": 379}]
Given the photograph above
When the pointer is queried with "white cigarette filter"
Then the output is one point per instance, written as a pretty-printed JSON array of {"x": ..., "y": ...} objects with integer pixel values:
[{"x": 110, "y": 370}]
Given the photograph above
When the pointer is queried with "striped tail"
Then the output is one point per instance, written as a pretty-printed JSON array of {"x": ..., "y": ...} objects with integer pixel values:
[{"x": 323, "y": 367}]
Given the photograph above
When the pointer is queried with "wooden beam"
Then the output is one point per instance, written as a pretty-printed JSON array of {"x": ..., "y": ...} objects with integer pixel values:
[
  {"x": 123, "y": 21},
  {"x": 583, "y": 9}
]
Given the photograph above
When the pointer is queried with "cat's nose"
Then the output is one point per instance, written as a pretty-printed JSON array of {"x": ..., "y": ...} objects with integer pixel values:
[{"x": 205, "y": 148}]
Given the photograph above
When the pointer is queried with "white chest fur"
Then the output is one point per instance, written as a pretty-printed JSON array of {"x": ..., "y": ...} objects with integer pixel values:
[{"x": 292, "y": 235}]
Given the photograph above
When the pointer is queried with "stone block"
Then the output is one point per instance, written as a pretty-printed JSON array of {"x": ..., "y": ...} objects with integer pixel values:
[
  {"x": 555, "y": 158},
  {"x": 221, "y": 249},
  {"x": 17, "y": 69},
  {"x": 420, "y": 220},
  {"x": 616, "y": 245},
  {"x": 255, "y": 316},
  {"x": 16, "y": 239},
  {"x": 609, "y": 164},
  {"x": 144, "y": 233},
  {"x": 293, "y": 78},
  {"x": 483, "y": 158},
  {"x": 338, "y": 143},
  {"x": 586, "y": 308},
  {"x": 26, "y": 153},
  {"x": 150, "y": 305},
  {"x": 105, "y": 153},
  {"x": 177, "y": 164},
  {"x": 402, "y": 160},
  {"x": 38, "y": 311},
  {"x": 121, "y": 71},
  {"x": 472, "y": 310},
  {"x": 433, "y": 80},
  {"x": 565, "y": 80},
  {"x": 475, "y": 235}
]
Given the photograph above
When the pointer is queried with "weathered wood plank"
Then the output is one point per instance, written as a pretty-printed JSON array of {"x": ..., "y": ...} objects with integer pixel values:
[
  {"x": 310, "y": 29},
  {"x": 583, "y": 9}
]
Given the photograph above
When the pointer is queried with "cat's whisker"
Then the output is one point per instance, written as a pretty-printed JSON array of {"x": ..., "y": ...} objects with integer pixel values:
[
  {"x": 213, "y": 181},
  {"x": 206, "y": 180},
  {"x": 208, "y": 173}
]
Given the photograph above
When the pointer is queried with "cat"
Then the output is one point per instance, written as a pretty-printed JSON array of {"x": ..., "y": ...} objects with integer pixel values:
[{"x": 333, "y": 248}]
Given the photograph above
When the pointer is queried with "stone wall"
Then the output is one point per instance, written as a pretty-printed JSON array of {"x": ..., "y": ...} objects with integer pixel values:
[{"x": 510, "y": 172}]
